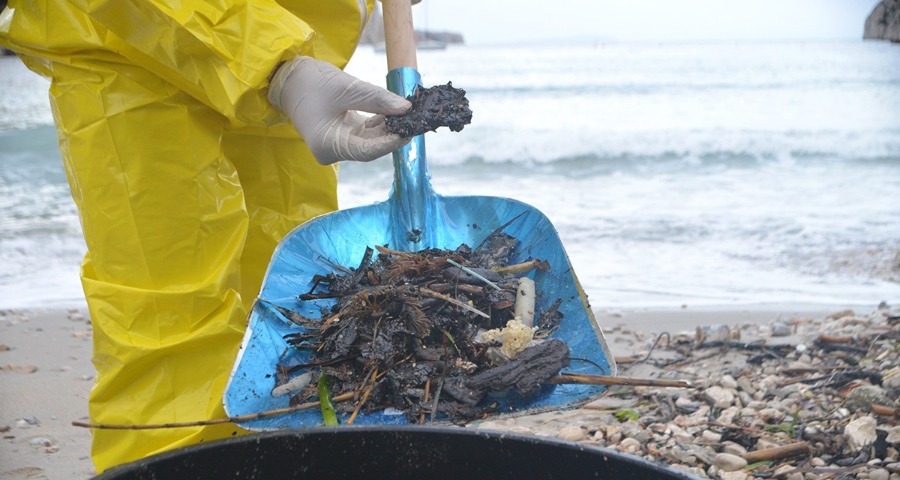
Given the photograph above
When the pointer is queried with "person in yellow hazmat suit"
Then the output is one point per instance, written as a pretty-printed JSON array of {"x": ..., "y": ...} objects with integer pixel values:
[{"x": 178, "y": 126}]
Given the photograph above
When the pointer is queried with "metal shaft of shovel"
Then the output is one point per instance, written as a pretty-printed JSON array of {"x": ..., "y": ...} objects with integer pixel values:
[{"x": 413, "y": 208}]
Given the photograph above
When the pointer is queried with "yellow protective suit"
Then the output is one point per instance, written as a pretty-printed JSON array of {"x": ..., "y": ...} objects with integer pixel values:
[{"x": 185, "y": 178}]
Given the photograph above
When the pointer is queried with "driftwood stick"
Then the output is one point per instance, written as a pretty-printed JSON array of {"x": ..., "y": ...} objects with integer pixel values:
[
  {"x": 523, "y": 267},
  {"x": 884, "y": 410},
  {"x": 579, "y": 378},
  {"x": 777, "y": 453},
  {"x": 240, "y": 418},
  {"x": 440, "y": 296},
  {"x": 834, "y": 339},
  {"x": 425, "y": 401}
]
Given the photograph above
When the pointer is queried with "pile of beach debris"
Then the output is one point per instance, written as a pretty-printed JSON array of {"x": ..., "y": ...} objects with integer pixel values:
[{"x": 429, "y": 333}]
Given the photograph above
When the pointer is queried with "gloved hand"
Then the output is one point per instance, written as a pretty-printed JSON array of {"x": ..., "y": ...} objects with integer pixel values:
[{"x": 320, "y": 99}]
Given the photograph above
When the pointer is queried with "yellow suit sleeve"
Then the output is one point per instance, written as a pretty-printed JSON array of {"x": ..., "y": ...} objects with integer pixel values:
[{"x": 221, "y": 52}]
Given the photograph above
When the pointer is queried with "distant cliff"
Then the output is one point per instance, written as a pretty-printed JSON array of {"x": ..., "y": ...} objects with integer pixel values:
[{"x": 884, "y": 22}]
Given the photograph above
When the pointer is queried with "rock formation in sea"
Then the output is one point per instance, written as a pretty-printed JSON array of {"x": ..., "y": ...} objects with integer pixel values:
[{"x": 884, "y": 22}]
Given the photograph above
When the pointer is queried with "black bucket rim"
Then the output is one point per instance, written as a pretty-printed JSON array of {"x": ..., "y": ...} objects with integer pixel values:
[{"x": 495, "y": 435}]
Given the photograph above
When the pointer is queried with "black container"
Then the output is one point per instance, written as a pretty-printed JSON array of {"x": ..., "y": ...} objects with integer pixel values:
[{"x": 391, "y": 452}]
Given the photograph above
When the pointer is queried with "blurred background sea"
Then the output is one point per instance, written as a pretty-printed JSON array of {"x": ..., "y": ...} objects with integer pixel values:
[{"x": 700, "y": 174}]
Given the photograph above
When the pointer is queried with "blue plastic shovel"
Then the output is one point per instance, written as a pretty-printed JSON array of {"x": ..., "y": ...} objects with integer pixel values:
[{"x": 413, "y": 218}]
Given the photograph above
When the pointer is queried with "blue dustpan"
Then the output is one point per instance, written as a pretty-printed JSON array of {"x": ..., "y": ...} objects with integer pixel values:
[{"x": 413, "y": 218}]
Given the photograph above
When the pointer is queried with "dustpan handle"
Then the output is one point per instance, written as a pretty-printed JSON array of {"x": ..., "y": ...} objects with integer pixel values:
[
  {"x": 399, "y": 35},
  {"x": 412, "y": 198}
]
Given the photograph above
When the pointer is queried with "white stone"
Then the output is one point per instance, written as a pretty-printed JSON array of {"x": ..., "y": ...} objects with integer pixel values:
[
  {"x": 727, "y": 415},
  {"x": 719, "y": 397},
  {"x": 727, "y": 381},
  {"x": 736, "y": 475},
  {"x": 757, "y": 405},
  {"x": 771, "y": 415},
  {"x": 893, "y": 435},
  {"x": 879, "y": 474},
  {"x": 728, "y": 462},
  {"x": 734, "y": 449},
  {"x": 572, "y": 433},
  {"x": 630, "y": 445},
  {"x": 860, "y": 433},
  {"x": 748, "y": 413},
  {"x": 781, "y": 329}
]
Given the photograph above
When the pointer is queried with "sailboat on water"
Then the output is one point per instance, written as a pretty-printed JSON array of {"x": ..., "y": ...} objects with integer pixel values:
[{"x": 425, "y": 39}]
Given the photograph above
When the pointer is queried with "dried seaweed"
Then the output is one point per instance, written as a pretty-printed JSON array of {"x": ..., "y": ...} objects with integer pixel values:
[{"x": 405, "y": 329}]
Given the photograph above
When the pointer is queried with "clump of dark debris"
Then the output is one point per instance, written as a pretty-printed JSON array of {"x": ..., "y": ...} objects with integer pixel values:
[
  {"x": 438, "y": 106},
  {"x": 408, "y": 331}
]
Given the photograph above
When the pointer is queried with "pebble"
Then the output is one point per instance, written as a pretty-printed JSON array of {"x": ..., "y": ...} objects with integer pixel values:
[
  {"x": 572, "y": 433},
  {"x": 740, "y": 401},
  {"x": 630, "y": 445},
  {"x": 862, "y": 398},
  {"x": 729, "y": 462},
  {"x": 771, "y": 415},
  {"x": 781, "y": 329},
  {"x": 893, "y": 435},
  {"x": 860, "y": 433},
  {"x": 727, "y": 381},
  {"x": 734, "y": 449},
  {"x": 736, "y": 475},
  {"x": 879, "y": 474}
]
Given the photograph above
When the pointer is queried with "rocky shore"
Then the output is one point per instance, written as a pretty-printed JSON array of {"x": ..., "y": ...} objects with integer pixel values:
[{"x": 798, "y": 398}]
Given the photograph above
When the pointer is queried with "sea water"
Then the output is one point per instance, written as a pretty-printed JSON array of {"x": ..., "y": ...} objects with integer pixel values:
[{"x": 676, "y": 174}]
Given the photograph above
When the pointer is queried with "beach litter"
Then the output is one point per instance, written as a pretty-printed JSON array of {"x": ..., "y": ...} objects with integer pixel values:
[
  {"x": 821, "y": 402},
  {"x": 427, "y": 333}
]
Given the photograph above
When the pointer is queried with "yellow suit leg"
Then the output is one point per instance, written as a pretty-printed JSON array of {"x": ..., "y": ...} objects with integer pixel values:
[{"x": 165, "y": 223}]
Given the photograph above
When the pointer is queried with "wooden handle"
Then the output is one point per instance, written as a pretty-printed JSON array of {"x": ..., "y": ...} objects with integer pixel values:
[{"x": 399, "y": 37}]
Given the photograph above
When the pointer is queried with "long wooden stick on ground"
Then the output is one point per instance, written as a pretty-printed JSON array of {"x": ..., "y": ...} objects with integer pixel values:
[
  {"x": 240, "y": 418},
  {"x": 564, "y": 378},
  {"x": 776, "y": 453},
  {"x": 579, "y": 378}
]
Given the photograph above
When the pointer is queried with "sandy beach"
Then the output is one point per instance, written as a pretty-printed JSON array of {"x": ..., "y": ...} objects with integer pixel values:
[{"x": 46, "y": 374}]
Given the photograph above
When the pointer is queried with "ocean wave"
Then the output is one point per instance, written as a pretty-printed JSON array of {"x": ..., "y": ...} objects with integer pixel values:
[{"x": 610, "y": 152}]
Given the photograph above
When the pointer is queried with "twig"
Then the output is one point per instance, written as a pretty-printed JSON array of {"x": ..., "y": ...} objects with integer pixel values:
[
  {"x": 199, "y": 423},
  {"x": 885, "y": 410},
  {"x": 653, "y": 347},
  {"x": 373, "y": 375},
  {"x": 390, "y": 251},
  {"x": 498, "y": 230},
  {"x": 474, "y": 274},
  {"x": 441, "y": 296},
  {"x": 425, "y": 400},
  {"x": 523, "y": 267},
  {"x": 777, "y": 453},
  {"x": 834, "y": 339},
  {"x": 584, "y": 379}
]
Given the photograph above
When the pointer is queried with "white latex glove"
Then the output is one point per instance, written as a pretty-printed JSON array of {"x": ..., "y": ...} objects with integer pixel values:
[{"x": 320, "y": 99}]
